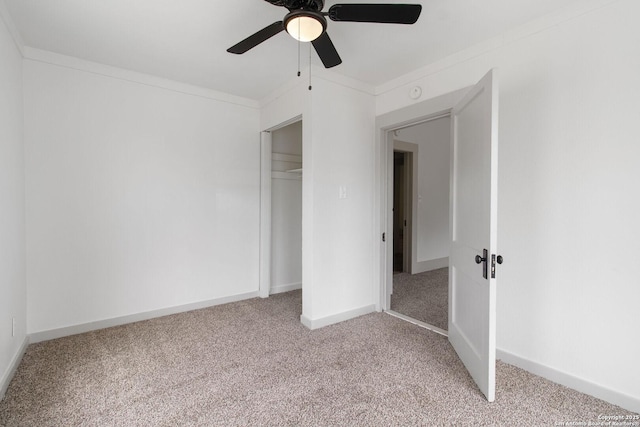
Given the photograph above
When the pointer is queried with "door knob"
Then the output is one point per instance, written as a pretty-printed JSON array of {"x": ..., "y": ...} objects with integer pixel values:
[
  {"x": 499, "y": 259},
  {"x": 479, "y": 259}
]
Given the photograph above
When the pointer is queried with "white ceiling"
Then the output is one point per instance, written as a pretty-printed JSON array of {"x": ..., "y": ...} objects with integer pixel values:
[{"x": 186, "y": 40}]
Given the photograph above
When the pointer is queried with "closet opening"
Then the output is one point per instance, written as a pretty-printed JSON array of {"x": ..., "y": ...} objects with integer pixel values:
[
  {"x": 286, "y": 208},
  {"x": 281, "y": 211}
]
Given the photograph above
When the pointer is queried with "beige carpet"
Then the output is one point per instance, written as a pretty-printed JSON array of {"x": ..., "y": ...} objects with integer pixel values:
[
  {"x": 423, "y": 296},
  {"x": 253, "y": 363}
]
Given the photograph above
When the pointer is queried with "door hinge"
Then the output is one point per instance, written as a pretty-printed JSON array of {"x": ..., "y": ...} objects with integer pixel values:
[
  {"x": 384, "y": 237},
  {"x": 495, "y": 259}
]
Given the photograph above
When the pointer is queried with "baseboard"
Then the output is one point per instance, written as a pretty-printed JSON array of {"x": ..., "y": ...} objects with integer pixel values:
[
  {"x": 336, "y": 318},
  {"x": 117, "y": 321},
  {"x": 285, "y": 288},
  {"x": 596, "y": 390},
  {"x": 432, "y": 264},
  {"x": 13, "y": 366}
]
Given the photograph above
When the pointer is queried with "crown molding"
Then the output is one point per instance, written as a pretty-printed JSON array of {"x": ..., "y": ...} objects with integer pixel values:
[
  {"x": 529, "y": 29},
  {"x": 342, "y": 80},
  {"x": 5, "y": 16},
  {"x": 317, "y": 73},
  {"x": 291, "y": 84},
  {"x": 565, "y": 14},
  {"x": 74, "y": 63}
]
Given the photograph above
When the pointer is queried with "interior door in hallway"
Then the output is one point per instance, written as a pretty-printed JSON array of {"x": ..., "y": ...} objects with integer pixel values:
[{"x": 473, "y": 229}]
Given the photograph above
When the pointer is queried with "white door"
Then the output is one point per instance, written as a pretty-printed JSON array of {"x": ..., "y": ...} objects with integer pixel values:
[{"x": 472, "y": 297}]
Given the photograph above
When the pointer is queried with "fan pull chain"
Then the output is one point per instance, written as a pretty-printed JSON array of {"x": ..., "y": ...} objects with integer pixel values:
[
  {"x": 309, "y": 66},
  {"x": 299, "y": 49}
]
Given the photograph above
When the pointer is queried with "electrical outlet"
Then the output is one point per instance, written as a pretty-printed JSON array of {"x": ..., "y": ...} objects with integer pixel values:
[{"x": 13, "y": 326}]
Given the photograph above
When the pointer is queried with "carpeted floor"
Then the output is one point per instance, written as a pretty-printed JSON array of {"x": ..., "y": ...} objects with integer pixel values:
[
  {"x": 253, "y": 363},
  {"x": 423, "y": 296}
]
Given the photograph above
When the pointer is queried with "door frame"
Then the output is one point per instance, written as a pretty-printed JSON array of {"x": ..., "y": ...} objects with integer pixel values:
[{"x": 383, "y": 219}]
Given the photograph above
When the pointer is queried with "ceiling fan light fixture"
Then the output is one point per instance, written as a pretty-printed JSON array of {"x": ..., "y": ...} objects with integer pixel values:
[{"x": 305, "y": 25}]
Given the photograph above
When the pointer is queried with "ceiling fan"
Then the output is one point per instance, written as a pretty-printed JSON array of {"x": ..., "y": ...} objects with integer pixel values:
[{"x": 307, "y": 23}]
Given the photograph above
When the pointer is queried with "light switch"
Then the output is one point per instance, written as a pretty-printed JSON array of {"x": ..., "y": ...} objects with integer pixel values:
[{"x": 342, "y": 192}]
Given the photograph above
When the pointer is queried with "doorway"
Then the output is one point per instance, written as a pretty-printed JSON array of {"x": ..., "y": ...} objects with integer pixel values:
[
  {"x": 281, "y": 208},
  {"x": 420, "y": 197},
  {"x": 402, "y": 200},
  {"x": 473, "y": 218},
  {"x": 286, "y": 208}
]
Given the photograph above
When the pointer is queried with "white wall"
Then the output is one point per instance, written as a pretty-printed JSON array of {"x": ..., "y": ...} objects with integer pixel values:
[
  {"x": 286, "y": 105},
  {"x": 339, "y": 153},
  {"x": 139, "y": 198},
  {"x": 286, "y": 210},
  {"x": 433, "y": 140},
  {"x": 338, "y": 119},
  {"x": 569, "y": 168},
  {"x": 12, "y": 232}
]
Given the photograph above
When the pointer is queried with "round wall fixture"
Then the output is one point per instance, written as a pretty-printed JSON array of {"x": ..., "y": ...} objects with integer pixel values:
[{"x": 415, "y": 92}]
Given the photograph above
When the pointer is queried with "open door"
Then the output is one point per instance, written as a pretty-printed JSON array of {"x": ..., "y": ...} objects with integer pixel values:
[{"x": 473, "y": 228}]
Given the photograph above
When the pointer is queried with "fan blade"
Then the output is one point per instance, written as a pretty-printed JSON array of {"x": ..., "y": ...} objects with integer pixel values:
[
  {"x": 326, "y": 51},
  {"x": 257, "y": 38},
  {"x": 383, "y": 13}
]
